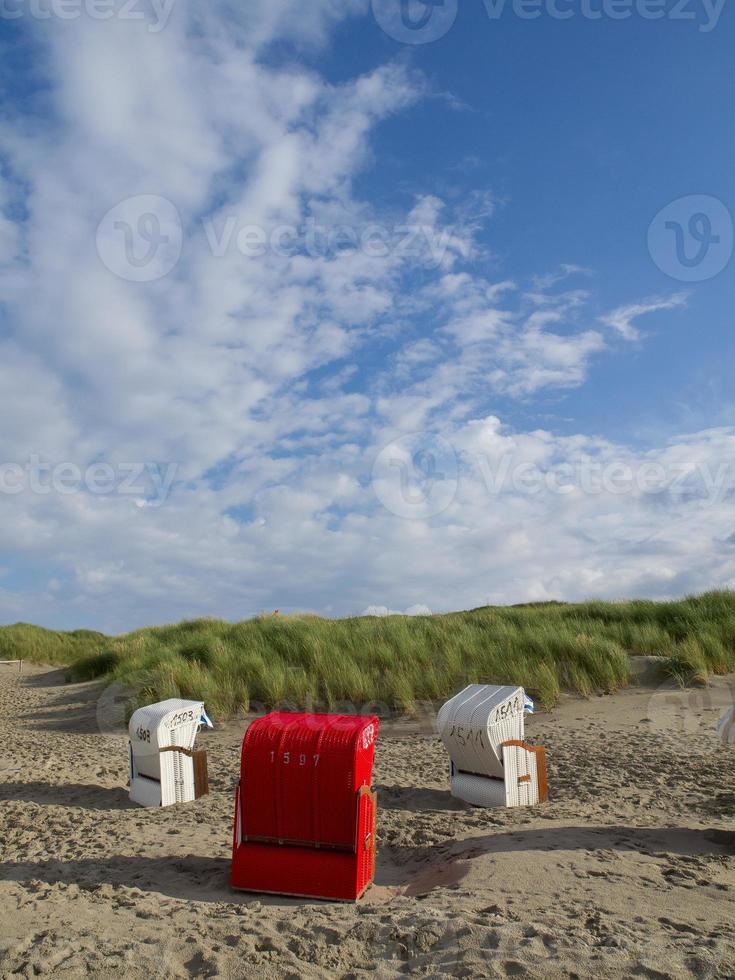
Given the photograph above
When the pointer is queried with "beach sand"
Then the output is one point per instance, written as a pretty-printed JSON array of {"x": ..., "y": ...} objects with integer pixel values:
[{"x": 628, "y": 870}]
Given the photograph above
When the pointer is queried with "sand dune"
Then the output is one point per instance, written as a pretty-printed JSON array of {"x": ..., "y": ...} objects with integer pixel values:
[{"x": 629, "y": 870}]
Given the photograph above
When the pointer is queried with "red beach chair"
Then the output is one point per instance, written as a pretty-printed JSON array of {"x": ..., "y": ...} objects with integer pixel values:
[{"x": 304, "y": 809}]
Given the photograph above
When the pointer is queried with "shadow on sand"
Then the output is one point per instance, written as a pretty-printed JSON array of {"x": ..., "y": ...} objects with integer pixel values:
[
  {"x": 71, "y": 709},
  {"x": 414, "y": 871},
  {"x": 85, "y": 796},
  {"x": 403, "y": 798}
]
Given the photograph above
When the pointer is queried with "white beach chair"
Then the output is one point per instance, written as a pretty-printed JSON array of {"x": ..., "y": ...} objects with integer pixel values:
[
  {"x": 726, "y": 727},
  {"x": 164, "y": 766},
  {"x": 491, "y": 765}
]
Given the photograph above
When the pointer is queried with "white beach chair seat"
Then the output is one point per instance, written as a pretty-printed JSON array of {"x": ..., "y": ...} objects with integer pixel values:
[
  {"x": 478, "y": 790},
  {"x": 164, "y": 766}
]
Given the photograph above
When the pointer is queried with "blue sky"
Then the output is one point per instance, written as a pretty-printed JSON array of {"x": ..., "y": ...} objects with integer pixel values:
[{"x": 505, "y": 378}]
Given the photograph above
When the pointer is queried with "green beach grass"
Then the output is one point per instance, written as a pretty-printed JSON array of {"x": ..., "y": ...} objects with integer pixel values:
[{"x": 581, "y": 648}]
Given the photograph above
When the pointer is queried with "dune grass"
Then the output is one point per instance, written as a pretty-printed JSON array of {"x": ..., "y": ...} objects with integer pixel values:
[{"x": 397, "y": 660}]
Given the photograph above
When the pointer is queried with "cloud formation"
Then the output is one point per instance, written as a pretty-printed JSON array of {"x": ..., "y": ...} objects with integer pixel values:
[{"x": 272, "y": 383}]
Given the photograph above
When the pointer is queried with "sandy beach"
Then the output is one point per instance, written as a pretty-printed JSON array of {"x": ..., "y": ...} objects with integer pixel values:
[{"x": 628, "y": 870}]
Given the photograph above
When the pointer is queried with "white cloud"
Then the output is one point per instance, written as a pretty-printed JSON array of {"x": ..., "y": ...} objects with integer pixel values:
[
  {"x": 381, "y": 611},
  {"x": 274, "y": 382},
  {"x": 622, "y": 319},
  {"x": 565, "y": 271}
]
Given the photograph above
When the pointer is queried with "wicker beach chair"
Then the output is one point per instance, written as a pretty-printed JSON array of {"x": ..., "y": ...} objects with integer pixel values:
[
  {"x": 164, "y": 766},
  {"x": 304, "y": 808},
  {"x": 491, "y": 764}
]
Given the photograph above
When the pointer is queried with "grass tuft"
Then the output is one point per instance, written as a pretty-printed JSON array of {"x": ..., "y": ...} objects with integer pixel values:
[
  {"x": 549, "y": 647},
  {"x": 95, "y": 665}
]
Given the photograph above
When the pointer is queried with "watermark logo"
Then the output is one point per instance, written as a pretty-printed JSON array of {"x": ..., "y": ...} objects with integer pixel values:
[
  {"x": 141, "y": 238},
  {"x": 691, "y": 239},
  {"x": 676, "y": 709},
  {"x": 115, "y": 706},
  {"x": 415, "y": 21},
  {"x": 423, "y": 21},
  {"x": 416, "y": 476},
  {"x": 704, "y": 13},
  {"x": 316, "y": 241},
  {"x": 689, "y": 480},
  {"x": 149, "y": 483},
  {"x": 155, "y": 12}
]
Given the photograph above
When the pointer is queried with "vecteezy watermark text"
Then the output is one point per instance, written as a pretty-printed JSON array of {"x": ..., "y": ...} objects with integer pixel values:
[
  {"x": 424, "y": 21},
  {"x": 615, "y": 477},
  {"x": 706, "y": 13},
  {"x": 155, "y": 12},
  {"x": 418, "y": 476},
  {"x": 149, "y": 483},
  {"x": 141, "y": 239},
  {"x": 324, "y": 241}
]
